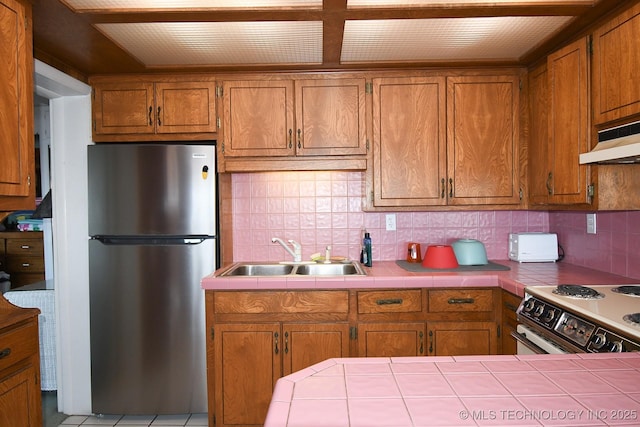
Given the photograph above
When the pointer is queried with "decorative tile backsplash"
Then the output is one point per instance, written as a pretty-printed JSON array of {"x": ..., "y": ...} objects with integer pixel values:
[
  {"x": 615, "y": 248},
  {"x": 325, "y": 208}
]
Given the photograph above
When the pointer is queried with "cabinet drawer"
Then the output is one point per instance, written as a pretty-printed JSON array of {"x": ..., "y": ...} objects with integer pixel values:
[
  {"x": 397, "y": 301},
  {"x": 461, "y": 300},
  {"x": 25, "y": 265},
  {"x": 281, "y": 302},
  {"x": 25, "y": 247},
  {"x": 510, "y": 304},
  {"x": 18, "y": 344}
]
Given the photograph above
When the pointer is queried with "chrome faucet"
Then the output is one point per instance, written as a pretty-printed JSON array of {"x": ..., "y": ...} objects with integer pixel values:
[
  {"x": 327, "y": 255},
  {"x": 296, "y": 253}
]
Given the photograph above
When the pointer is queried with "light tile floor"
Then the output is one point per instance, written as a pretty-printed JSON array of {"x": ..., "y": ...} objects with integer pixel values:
[
  {"x": 52, "y": 418},
  {"x": 181, "y": 420}
]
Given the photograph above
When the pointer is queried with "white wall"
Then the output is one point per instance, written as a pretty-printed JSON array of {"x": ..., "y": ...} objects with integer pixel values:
[
  {"x": 70, "y": 113},
  {"x": 71, "y": 133}
]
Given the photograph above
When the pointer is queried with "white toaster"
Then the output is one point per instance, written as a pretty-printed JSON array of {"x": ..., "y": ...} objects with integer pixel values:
[{"x": 533, "y": 247}]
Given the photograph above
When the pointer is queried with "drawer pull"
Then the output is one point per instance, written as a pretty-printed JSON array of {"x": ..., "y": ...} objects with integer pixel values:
[
  {"x": 26, "y": 264},
  {"x": 25, "y": 247},
  {"x": 510, "y": 307},
  {"x": 390, "y": 301},
  {"x": 461, "y": 301},
  {"x": 4, "y": 353}
]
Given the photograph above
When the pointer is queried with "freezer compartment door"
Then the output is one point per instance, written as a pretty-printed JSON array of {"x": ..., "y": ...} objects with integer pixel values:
[
  {"x": 151, "y": 189},
  {"x": 147, "y": 327}
]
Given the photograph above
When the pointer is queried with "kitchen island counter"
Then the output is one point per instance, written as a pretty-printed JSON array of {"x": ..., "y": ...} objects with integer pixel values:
[
  {"x": 532, "y": 390},
  {"x": 388, "y": 274}
]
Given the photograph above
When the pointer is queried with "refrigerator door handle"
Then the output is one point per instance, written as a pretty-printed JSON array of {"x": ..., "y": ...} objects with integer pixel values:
[{"x": 151, "y": 240}]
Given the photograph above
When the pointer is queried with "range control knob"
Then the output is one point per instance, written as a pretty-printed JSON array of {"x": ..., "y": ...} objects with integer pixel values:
[
  {"x": 539, "y": 310},
  {"x": 551, "y": 314},
  {"x": 599, "y": 340},
  {"x": 616, "y": 347},
  {"x": 528, "y": 306}
]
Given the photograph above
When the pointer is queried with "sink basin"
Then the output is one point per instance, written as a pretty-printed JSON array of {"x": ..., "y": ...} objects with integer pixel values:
[
  {"x": 244, "y": 269},
  {"x": 259, "y": 270},
  {"x": 330, "y": 270}
]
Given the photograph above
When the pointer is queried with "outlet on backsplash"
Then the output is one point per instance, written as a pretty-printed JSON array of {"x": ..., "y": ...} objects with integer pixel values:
[
  {"x": 391, "y": 222},
  {"x": 591, "y": 223}
]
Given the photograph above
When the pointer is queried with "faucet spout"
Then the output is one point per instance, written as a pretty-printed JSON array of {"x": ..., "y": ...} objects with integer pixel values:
[{"x": 296, "y": 252}]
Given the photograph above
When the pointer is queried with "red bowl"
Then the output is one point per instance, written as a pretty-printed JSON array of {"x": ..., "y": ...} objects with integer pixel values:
[{"x": 440, "y": 256}]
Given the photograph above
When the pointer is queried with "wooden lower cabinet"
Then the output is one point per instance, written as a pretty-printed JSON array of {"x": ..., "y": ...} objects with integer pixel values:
[
  {"x": 510, "y": 303},
  {"x": 17, "y": 396},
  {"x": 391, "y": 339},
  {"x": 22, "y": 256},
  {"x": 246, "y": 372},
  {"x": 256, "y": 337},
  {"x": 253, "y": 356},
  {"x": 308, "y": 344},
  {"x": 20, "y": 396},
  {"x": 462, "y": 338}
]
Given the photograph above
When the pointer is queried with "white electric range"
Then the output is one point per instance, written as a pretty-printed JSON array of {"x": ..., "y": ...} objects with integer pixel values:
[{"x": 577, "y": 319}]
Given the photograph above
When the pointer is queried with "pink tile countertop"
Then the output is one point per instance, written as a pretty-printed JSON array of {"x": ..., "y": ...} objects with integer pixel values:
[
  {"x": 387, "y": 274},
  {"x": 534, "y": 390}
]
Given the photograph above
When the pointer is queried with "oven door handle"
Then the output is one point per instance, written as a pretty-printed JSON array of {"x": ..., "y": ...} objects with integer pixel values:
[{"x": 522, "y": 339}]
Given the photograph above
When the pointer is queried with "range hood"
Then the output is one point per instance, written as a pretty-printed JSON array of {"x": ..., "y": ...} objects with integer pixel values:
[{"x": 617, "y": 145}]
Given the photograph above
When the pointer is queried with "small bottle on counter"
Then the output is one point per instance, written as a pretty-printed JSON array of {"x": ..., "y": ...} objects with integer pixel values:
[{"x": 366, "y": 250}]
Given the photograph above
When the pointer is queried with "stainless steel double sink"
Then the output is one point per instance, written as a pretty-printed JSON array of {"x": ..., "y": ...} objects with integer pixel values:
[{"x": 244, "y": 269}]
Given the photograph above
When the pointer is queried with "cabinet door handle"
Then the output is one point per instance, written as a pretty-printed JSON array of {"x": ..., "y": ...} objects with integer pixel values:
[
  {"x": 461, "y": 301},
  {"x": 444, "y": 188},
  {"x": 276, "y": 350},
  {"x": 390, "y": 301},
  {"x": 450, "y": 188},
  {"x": 150, "y": 116},
  {"x": 430, "y": 341},
  {"x": 299, "y": 138},
  {"x": 286, "y": 342},
  {"x": 4, "y": 353},
  {"x": 290, "y": 138},
  {"x": 158, "y": 118},
  {"x": 549, "y": 179},
  {"x": 421, "y": 335}
]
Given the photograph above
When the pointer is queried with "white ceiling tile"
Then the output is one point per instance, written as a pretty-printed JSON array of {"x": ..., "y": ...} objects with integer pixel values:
[
  {"x": 446, "y": 39},
  {"x": 85, "y": 5},
  {"x": 219, "y": 43},
  {"x": 453, "y": 3}
]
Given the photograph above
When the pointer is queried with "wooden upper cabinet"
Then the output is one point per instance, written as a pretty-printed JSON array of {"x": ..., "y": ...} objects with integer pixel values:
[
  {"x": 16, "y": 107},
  {"x": 616, "y": 68},
  {"x": 330, "y": 117},
  {"x": 123, "y": 107},
  {"x": 257, "y": 118},
  {"x": 560, "y": 130},
  {"x": 483, "y": 140},
  {"x": 267, "y": 118},
  {"x": 409, "y": 141},
  {"x": 185, "y": 107},
  {"x": 539, "y": 172},
  {"x": 568, "y": 121},
  {"x": 146, "y": 110}
]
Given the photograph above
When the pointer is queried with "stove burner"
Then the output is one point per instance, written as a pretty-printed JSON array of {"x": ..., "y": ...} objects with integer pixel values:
[
  {"x": 632, "y": 290},
  {"x": 577, "y": 291},
  {"x": 633, "y": 318}
]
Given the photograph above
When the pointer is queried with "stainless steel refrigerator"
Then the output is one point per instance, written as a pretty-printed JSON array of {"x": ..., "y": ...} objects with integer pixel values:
[{"x": 152, "y": 226}]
